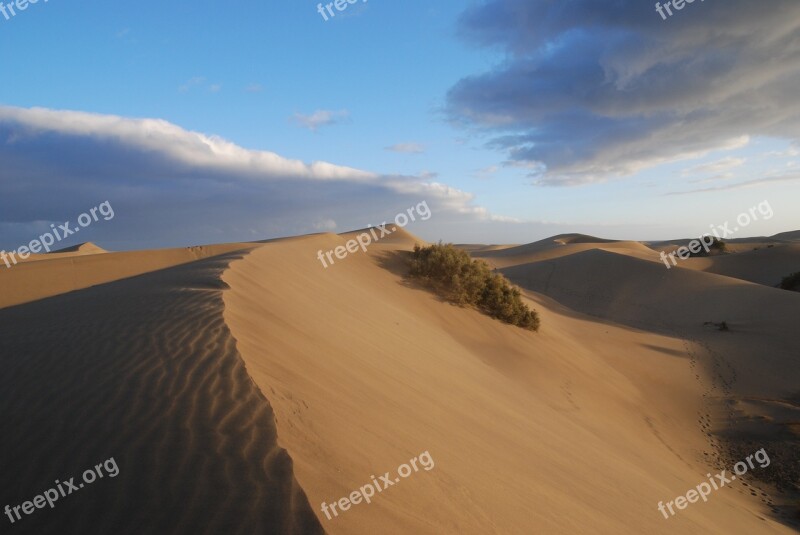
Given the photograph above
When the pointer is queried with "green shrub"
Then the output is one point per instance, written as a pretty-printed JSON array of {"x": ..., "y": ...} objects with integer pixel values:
[
  {"x": 717, "y": 247},
  {"x": 467, "y": 282},
  {"x": 792, "y": 282}
]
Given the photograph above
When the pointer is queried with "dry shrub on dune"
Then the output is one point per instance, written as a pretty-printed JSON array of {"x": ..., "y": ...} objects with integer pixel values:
[
  {"x": 467, "y": 282},
  {"x": 791, "y": 282}
]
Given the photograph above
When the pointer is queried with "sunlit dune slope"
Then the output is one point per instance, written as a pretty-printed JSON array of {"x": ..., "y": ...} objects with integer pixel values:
[
  {"x": 582, "y": 428},
  {"x": 752, "y": 372},
  {"x": 81, "y": 249}
]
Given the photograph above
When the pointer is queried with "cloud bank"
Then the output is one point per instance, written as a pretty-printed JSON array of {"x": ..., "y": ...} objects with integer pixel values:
[
  {"x": 171, "y": 187},
  {"x": 593, "y": 90}
]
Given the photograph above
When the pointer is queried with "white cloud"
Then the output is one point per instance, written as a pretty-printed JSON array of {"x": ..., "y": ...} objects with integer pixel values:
[
  {"x": 486, "y": 172},
  {"x": 714, "y": 178},
  {"x": 170, "y": 186},
  {"x": 767, "y": 179},
  {"x": 408, "y": 148},
  {"x": 156, "y": 136},
  {"x": 321, "y": 118},
  {"x": 592, "y": 92},
  {"x": 715, "y": 167},
  {"x": 326, "y": 225},
  {"x": 192, "y": 82}
]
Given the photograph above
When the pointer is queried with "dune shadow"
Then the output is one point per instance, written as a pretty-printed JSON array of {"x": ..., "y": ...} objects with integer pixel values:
[
  {"x": 396, "y": 263},
  {"x": 667, "y": 351},
  {"x": 143, "y": 370}
]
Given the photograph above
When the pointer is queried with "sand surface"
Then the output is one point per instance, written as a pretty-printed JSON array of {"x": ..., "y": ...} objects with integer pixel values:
[
  {"x": 143, "y": 370},
  {"x": 582, "y": 428},
  {"x": 239, "y": 386}
]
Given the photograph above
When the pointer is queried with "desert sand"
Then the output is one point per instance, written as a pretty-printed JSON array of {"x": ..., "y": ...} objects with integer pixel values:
[{"x": 239, "y": 386}]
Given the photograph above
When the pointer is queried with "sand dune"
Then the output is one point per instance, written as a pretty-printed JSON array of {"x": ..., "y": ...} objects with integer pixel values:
[
  {"x": 81, "y": 249},
  {"x": 560, "y": 246},
  {"x": 480, "y": 248},
  {"x": 143, "y": 370},
  {"x": 760, "y": 264},
  {"x": 239, "y": 386},
  {"x": 678, "y": 301},
  {"x": 397, "y": 237},
  {"x": 582, "y": 428},
  {"x": 788, "y": 236},
  {"x": 756, "y": 360}
]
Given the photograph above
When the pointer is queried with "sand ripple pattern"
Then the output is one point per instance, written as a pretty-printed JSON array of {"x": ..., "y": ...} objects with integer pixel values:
[{"x": 146, "y": 371}]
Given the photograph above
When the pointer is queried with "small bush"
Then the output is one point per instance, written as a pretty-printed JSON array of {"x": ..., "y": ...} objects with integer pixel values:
[
  {"x": 792, "y": 282},
  {"x": 468, "y": 282},
  {"x": 717, "y": 247}
]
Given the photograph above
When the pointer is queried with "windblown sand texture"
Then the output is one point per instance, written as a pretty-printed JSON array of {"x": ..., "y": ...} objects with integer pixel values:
[
  {"x": 146, "y": 371},
  {"x": 239, "y": 386}
]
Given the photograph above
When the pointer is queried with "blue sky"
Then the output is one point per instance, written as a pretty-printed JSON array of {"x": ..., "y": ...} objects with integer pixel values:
[{"x": 519, "y": 119}]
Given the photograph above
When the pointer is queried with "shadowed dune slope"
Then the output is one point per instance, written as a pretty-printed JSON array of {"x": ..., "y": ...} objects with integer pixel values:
[
  {"x": 143, "y": 370},
  {"x": 793, "y": 235},
  {"x": 649, "y": 296},
  {"x": 767, "y": 265},
  {"x": 582, "y": 428}
]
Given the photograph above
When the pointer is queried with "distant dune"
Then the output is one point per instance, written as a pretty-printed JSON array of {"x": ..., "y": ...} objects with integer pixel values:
[
  {"x": 562, "y": 245},
  {"x": 239, "y": 386},
  {"x": 58, "y": 273},
  {"x": 81, "y": 248},
  {"x": 788, "y": 236},
  {"x": 765, "y": 265}
]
